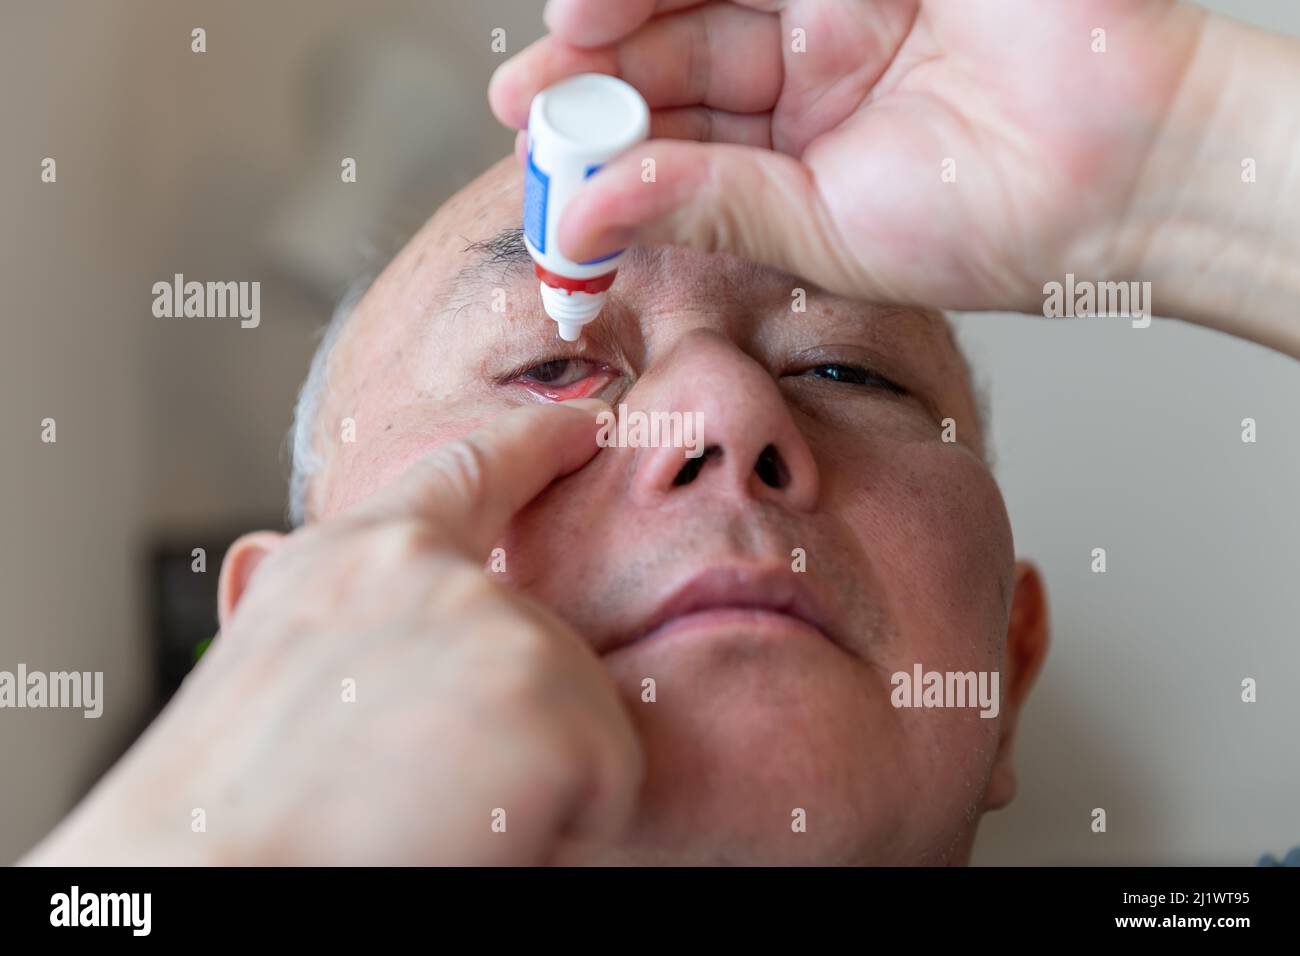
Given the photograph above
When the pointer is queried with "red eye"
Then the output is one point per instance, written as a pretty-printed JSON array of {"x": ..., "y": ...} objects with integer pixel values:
[{"x": 565, "y": 378}]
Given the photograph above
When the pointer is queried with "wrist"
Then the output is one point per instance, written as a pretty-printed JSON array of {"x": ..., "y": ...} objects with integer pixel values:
[{"x": 1214, "y": 223}]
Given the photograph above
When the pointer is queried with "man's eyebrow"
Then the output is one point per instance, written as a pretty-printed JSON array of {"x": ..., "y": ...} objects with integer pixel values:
[{"x": 495, "y": 257}]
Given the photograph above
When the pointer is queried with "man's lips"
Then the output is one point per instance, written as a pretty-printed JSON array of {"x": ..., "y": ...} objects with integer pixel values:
[{"x": 736, "y": 594}]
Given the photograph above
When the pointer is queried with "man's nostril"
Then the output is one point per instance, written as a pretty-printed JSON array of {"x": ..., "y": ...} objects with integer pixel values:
[
  {"x": 693, "y": 466},
  {"x": 771, "y": 468},
  {"x": 689, "y": 471}
]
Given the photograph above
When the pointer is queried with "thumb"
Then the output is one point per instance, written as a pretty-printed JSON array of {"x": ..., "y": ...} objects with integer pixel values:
[
  {"x": 468, "y": 490},
  {"x": 714, "y": 197}
]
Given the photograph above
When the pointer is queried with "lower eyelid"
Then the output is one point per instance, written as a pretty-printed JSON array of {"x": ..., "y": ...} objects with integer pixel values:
[
  {"x": 578, "y": 390},
  {"x": 583, "y": 388}
]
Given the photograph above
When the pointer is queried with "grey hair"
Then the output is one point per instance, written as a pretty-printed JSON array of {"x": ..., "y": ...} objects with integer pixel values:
[{"x": 305, "y": 457}]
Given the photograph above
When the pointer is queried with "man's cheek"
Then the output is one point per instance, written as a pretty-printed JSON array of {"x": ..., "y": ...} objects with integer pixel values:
[
  {"x": 951, "y": 751},
  {"x": 555, "y": 552},
  {"x": 372, "y": 452},
  {"x": 943, "y": 546}
]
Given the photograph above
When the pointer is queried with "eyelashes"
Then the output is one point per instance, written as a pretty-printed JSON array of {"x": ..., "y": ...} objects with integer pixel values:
[
  {"x": 557, "y": 372},
  {"x": 562, "y": 377},
  {"x": 849, "y": 374}
]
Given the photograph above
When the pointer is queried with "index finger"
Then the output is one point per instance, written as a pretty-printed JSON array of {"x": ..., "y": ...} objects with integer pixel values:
[
  {"x": 722, "y": 55},
  {"x": 469, "y": 489},
  {"x": 594, "y": 23},
  {"x": 591, "y": 23}
]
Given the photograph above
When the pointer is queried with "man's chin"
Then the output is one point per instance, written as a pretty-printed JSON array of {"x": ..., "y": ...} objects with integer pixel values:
[{"x": 759, "y": 750}]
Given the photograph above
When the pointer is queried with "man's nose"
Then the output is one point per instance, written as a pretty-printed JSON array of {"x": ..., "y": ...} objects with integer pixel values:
[{"x": 748, "y": 444}]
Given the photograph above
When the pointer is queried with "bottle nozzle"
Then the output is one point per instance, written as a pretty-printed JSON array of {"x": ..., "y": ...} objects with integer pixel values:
[{"x": 571, "y": 310}]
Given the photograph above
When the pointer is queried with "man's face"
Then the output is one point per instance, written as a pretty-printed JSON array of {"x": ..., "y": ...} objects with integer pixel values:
[{"x": 824, "y": 450}]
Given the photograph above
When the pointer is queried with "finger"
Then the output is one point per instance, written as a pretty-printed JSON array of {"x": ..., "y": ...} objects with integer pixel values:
[
  {"x": 611, "y": 796},
  {"x": 469, "y": 489},
  {"x": 759, "y": 204},
  {"x": 579, "y": 748},
  {"x": 601, "y": 23},
  {"x": 521, "y": 149},
  {"x": 698, "y": 123},
  {"x": 540, "y": 64},
  {"x": 704, "y": 124},
  {"x": 599, "y": 723},
  {"x": 592, "y": 23},
  {"x": 723, "y": 56}
]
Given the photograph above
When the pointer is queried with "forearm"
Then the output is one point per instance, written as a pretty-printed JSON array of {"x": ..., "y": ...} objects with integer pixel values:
[
  {"x": 106, "y": 830},
  {"x": 1214, "y": 224}
]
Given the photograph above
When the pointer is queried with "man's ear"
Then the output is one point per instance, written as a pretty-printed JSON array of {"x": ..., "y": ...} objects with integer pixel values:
[
  {"x": 1023, "y": 658},
  {"x": 237, "y": 569}
]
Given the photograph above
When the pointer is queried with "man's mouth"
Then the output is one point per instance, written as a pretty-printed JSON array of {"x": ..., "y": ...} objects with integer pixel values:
[{"x": 733, "y": 596}]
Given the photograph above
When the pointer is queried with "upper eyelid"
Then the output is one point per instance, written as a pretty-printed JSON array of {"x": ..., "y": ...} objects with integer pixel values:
[
  {"x": 910, "y": 386},
  {"x": 520, "y": 371},
  {"x": 872, "y": 372}
]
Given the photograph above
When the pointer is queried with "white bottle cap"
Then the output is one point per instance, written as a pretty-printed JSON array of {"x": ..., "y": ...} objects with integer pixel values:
[
  {"x": 592, "y": 117},
  {"x": 571, "y": 310}
]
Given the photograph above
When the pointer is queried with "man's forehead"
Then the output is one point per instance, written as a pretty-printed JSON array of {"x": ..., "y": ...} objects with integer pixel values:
[{"x": 474, "y": 244}]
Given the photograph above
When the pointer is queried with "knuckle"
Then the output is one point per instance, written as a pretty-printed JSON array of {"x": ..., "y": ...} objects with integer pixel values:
[
  {"x": 526, "y": 655},
  {"x": 397, "y": 543},
  {"x": 628, "y": 759},
  {"x": 465, "y": 592},
  {"x": 524, "y": 684},
  {"x": 618, "y": 743},
  {"x": 556, "y": 760}
]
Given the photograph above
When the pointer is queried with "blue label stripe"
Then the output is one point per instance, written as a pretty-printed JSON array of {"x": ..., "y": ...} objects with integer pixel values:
[{"x": 537, "y": 188}]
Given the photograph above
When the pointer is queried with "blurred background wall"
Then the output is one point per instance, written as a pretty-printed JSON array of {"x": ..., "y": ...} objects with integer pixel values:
[{"x": 226, "y": 166}]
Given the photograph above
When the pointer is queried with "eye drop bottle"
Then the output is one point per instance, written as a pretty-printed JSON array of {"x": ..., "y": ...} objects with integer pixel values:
[{"x": 574, "y": 128}]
